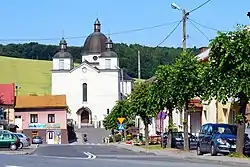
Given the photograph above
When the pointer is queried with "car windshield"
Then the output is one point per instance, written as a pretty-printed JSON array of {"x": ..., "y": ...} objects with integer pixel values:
[{"x": 225, "y": 129}]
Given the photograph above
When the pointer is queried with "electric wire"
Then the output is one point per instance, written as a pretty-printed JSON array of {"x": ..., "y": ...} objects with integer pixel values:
[
  {"x": 82, "y": 37},
  {"x": 198, "y": 7},
  {"x": 202, "y": 25},
  {"x": 169, "y": 34},
  {"x": 199, "y": 30}
]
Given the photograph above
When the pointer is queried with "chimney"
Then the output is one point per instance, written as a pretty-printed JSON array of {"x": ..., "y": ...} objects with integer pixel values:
[{"x": 203, "y": 49}]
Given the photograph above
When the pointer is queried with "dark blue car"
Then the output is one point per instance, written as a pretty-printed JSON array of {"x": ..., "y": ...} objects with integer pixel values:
[{"x": 217, "y": 138}]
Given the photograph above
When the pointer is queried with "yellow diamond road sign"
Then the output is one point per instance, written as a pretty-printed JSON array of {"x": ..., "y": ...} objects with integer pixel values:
[{"x": 120, "y": 120}]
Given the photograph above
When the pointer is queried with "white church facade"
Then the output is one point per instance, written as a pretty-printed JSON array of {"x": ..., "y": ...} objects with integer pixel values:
[{"x": 93, "y": 87}]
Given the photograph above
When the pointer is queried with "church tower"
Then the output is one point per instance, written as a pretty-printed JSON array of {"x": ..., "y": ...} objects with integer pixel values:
[
  {"x": 63, "y": 60},
  {"x": 108, "y": 59}
]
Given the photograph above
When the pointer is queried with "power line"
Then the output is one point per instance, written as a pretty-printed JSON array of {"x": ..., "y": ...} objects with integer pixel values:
[
  {"x": 199, "y": 30},
  {"x": 198, "y": 7},
  {"x": 203, "y": 25},
  {"x": 169, "y": 34},
  {"x": 82, "y": 37}
]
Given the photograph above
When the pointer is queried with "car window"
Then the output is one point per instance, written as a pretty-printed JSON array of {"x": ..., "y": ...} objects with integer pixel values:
[
  {"x": 20, "y": 136},
  {"x": 14, "y": 136},
  {"x": 6, "y": 136},
  {"x": 209, "y": 129}
]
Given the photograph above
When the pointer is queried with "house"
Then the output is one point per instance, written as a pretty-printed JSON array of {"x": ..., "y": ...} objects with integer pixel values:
[
  {"x": 7, "y": 101},
  {"x": 93, "y": 87},
  {"x": 44, "y": 116},
  {"x": 216, "y": 112}
]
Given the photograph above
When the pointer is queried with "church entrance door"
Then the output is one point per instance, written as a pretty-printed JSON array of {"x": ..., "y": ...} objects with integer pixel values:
[{"x": 85, "y": 117}]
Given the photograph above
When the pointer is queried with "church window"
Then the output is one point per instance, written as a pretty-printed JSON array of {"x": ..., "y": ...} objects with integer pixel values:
[
  {"x": 108, "y": 63},
  {"x": 84, "y": 92},
  {"x": 61, "y": 64}
]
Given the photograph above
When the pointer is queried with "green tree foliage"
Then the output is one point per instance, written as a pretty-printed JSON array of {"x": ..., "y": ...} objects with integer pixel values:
[
  {"x": 121, "y": 109},
  {"x": 151, "y": 58},
  {"x": 228, "y": 71},
  {"x": 163, "y": 95},
  {"x": 142, "y": 105},
  {"x": 186, "y": 84}
]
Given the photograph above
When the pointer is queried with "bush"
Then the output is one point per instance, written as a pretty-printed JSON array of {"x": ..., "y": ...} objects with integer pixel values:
[
  {"x": 118, "y": 137},
  {"x": 129, "y": 137},
  {"x": 111, "y": 139}
]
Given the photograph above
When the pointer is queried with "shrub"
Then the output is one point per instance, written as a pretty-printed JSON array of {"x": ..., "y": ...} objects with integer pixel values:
[{"x": 118, "y": 137}]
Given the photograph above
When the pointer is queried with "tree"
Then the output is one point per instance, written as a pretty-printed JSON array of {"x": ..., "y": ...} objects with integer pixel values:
[
  {"x": 186, "y": 84},
  {"x": 228, "y": 71},
  {"x": 163, "y": 95},
  {"x": 142, "y": 105},
  {"x": 121, "y": 109}
]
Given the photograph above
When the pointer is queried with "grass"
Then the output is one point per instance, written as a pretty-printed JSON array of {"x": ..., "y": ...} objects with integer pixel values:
[
  {"x": 34, "y": 76},
  {"x": 237, "y": 155}
]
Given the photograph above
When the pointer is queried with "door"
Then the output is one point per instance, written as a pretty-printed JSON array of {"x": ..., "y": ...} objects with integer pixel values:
[
  {"x": 201, "y": 138},
  {"x": 50, "y": 137},
  {"x": 208, "y": 137},
  {"x": 195, "y": 121},
  {"x": 18, "y": 121}
]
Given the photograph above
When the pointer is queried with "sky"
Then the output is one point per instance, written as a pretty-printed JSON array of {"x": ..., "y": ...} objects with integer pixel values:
[{"x": 35, "y": 21}]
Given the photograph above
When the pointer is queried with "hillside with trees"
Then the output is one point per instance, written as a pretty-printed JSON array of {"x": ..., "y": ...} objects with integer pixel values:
[{"x": 151, "y": 57}]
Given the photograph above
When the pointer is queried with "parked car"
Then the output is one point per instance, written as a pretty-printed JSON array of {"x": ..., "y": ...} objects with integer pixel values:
[
  {"x": 37, "y": 140},
  {"x": 8, "y": 140},
  {"x": 24, "y": 140},
  {"x": 178, "y": 140},
  {"x": 5, "y": 131},
  {"x": 219, "y": 138}
]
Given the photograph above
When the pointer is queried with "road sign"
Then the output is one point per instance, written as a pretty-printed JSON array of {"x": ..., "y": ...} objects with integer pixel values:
[
  {"x": 120, "y": 126},
  {"x": 121, "y": 120},
  {"x": 161, "y": 115}
]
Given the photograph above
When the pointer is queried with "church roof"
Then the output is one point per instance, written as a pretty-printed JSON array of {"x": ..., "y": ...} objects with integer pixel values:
[
  {"x": 109, "y": 53},
  {"x": 95, "y": 42},
  {"x": 63, "y": 50}
]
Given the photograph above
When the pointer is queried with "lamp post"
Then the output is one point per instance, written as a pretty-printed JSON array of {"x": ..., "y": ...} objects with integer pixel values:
[{"x": 184, "y": 24}]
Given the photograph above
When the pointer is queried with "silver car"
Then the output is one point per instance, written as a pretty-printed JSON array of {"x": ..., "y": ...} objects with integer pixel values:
[{"x": 24, "y": 140}]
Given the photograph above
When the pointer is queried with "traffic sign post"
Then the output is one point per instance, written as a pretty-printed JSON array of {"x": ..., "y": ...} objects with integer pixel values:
[
  {"x": 121, "y": 120},
  {"x": 120, "y": 126}
]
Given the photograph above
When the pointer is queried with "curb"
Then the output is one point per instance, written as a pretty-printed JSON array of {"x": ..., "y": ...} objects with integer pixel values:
[{"x": 190, "y": 158}]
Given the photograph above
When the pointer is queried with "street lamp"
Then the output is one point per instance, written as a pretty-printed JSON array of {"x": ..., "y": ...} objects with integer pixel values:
[{"x": 184, "y": 25}]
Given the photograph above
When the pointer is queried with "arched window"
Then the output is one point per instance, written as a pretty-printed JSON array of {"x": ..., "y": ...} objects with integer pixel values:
[{"x": 84, "y": 92}]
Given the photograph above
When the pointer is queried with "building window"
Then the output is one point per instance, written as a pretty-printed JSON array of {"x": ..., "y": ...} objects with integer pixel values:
[
  {"x": 108, "y": 63},
  {"x": 61, "y": 64},
  {"x": 51, "y": 118},
  {"x": 84, "y": 92},
  {"x": 33, "y": 118}
]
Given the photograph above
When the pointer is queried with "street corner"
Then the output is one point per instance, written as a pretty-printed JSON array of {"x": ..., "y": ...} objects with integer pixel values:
[{"x": 23, "y": 151}]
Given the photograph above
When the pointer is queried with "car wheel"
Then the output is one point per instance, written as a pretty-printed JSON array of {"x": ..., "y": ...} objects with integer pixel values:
[
  {"x": 199, "y": 150},
  {"x": 213, "y": 150},
  {"x": 13, "y": 147},
  {"x": 21, "y": 145}
]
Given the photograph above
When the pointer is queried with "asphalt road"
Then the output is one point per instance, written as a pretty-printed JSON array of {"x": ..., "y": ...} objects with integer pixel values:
[{"x": 105, "y": 155}]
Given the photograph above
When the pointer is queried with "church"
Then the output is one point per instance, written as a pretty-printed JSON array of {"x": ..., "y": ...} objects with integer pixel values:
[{"x": 93, "y": 87}]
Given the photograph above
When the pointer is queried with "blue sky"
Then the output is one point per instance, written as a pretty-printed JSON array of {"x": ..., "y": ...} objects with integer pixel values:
[{"x": 31, "y": 19}]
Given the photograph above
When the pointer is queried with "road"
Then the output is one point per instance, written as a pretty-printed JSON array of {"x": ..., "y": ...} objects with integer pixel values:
[{"x": 95, "y": 156}]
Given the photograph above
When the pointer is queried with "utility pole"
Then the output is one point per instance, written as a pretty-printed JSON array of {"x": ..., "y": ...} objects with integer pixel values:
[
  {"x": 184, "y": 29},
  {"x": 139, "y": 64},
  {"x": 122, "y": 83}
]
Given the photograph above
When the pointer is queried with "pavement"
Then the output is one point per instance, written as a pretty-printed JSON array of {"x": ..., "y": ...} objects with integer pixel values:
[
  {"x": 191, "y": 155},
  {"x": 23, "y": 151}
]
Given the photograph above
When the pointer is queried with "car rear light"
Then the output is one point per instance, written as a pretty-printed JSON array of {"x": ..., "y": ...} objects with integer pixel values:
[
  {"x": 28, "y": 139},
  {"x": 18, "y": 141}
]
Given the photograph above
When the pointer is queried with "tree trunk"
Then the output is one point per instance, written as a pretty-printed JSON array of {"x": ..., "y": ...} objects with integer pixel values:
[
  {"x": 241, "y": 127},
  {"x": 170, "y": 128},
  {"x": 146, "y": 134},
  {"x": 185, "y": 127}
]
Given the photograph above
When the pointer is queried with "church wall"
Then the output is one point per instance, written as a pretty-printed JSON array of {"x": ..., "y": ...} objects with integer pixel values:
[
  {"x": 114, "y": 62},
  {"x": 89, "y": 58},
  {"x": 67, "y": 63},
  {"x": 127, "y": 87}
]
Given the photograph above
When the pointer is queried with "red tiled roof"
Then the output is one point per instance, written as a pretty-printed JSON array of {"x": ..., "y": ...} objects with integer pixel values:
[{"x": 7, "y": 94}]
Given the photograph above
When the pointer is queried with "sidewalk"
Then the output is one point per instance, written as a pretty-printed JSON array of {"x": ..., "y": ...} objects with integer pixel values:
[
  {"x": 175, "y": 153},
  {"x": 24, "y": 151}
]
